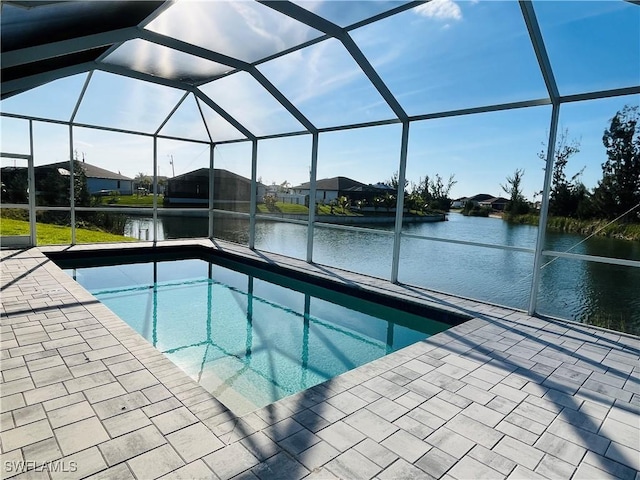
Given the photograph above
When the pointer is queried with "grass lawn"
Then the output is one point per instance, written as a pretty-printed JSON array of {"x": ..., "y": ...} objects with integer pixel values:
[
  {"x": 289, "y": 208},
  {"x": 48, "y": 234},
  {"x": 130, "y": 200},
  {"x": 284, "y": 208},
  {"x": 326, "y": 210}
]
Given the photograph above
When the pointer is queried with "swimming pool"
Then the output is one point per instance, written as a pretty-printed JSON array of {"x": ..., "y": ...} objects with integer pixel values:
[{"x": 249, "y": 336}]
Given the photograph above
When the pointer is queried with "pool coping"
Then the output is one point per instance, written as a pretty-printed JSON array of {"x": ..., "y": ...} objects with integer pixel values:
[{"x": 503, "y": 394}]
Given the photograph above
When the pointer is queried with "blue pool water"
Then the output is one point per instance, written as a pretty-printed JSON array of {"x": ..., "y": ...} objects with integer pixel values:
[{"x": 243, "y": 337}]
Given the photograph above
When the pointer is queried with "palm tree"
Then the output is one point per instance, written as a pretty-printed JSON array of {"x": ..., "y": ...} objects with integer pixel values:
[
  {"x": 389, "y": 201},
  {"x": 284, "y": 187},
  {"x": 142, "y": 180},
  {"x": 344, "y": 203}
]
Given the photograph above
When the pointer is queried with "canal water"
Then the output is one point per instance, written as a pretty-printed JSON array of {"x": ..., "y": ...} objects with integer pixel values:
[{"x": 605, "y": 295}]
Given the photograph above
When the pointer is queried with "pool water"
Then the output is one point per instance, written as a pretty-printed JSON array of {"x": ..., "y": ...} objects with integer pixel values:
[{"x": 244, "y": 338}]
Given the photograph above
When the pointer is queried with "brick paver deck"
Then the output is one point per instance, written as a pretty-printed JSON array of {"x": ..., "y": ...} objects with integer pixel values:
[{"x": 503, "y": 395}]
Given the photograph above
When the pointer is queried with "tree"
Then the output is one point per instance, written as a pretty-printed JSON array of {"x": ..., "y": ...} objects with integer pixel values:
[
  {"x": 394, "y": 181},
  {"x": 419, "y": 197},
  {"x": 567, "y": 197},
  {"x": 80, "y": 189},
  {"x": 439, "y": 192},
  {"x": 284, "y": 187},
  {"x": 53, "y": 187},
  {"x": 142, "y": 180},
  {"x": 414, "y": 200},
  {"x": 389, "y": 201},
  {"x": 619, "y": 189},
  {"x": 431, "y": 192},
  {"x": 517, "y": 204},
  {"x": 15, "y": 185}
]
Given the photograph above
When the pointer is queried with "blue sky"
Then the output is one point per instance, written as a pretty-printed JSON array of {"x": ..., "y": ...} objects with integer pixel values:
[{"x": 440, "y": 56}]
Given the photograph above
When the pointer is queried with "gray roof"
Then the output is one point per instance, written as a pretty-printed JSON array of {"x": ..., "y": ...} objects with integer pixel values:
[
  {"x": 495, "y": 200},
  {"x": 91, "y": 171},
  {"x": 204, "y": 173},
  {"x": 336, "y": 184},
  {"x": 481, "y": 197}
]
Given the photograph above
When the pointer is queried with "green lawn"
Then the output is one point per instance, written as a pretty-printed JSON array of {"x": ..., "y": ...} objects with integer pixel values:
[
  {"x": 48, "y": 234},
  {"x": 290, "y": 208},
  {"x": 326, "y": 210},
  {"x": 131, "y": 200},
  {"x": 322, "y": 210},
  {"x": 280, "y": 207}
]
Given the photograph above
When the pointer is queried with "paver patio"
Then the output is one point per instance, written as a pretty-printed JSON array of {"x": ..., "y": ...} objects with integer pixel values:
[{"x": 503, "y": 395}]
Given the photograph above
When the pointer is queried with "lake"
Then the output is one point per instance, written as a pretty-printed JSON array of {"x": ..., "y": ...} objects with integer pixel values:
[{"x": 591, "y": 292}]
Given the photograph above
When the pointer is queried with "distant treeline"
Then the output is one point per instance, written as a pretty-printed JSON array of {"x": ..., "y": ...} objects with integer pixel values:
[{"x": 615, "y": 197}]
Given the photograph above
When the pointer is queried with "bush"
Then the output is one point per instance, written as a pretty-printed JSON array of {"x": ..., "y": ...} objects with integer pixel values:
[
  {"x": 270, "y": 202},
  {"x": 442, "y": 204},
  {"x": 517, "y": 208},
  {"x": 15, "y": 213},
  {"x": 472, "y": 210}
]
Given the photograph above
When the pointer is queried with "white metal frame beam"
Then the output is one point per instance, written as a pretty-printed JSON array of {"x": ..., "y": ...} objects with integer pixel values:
[
  {"x": 26, "y": 83},
  {"x": 220, "y": 111},
  {"x": 537, "y": 41},
  {"x": 539, "y": 48},
  {"x": 313, "y": 171},
  {"x": 616, "y": 92},
  {"x": 544, "y": 209},
  {"x": 402, "y": 173},
  {"x": 315, "y": 21},
  {"x": 173, "y": 110}
]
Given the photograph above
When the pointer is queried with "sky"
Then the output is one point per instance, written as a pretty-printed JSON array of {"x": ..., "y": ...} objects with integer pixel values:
[{"x": 439, "y": 56}]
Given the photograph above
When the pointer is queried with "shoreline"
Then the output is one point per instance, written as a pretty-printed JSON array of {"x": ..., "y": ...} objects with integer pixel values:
[
  {"x": 334, "y": 219},
  {"x": 596, "y": 227}
]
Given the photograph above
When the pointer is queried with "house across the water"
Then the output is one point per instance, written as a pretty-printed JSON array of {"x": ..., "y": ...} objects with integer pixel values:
[
  {"x": 99, "y": 180},
  {"x": 495, "y": 203},
  {"x": 52, "y": 182},
  {"x": 482, "y": 200},
  {"x": 192, "y": 189},
  {"x": 328, "y": 189}
]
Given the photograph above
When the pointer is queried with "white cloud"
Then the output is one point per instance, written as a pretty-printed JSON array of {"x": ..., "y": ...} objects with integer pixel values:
[{"x": 441, "y": 10}]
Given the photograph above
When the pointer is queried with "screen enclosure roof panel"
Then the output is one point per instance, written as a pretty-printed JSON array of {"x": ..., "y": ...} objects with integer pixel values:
[
  {"x": 127, "y": 103},
  {"x": 477, "y": 54},
  {"x": 346, "y": 13},
  {"x": 327, "y": 85},
  {"x": 245, "y": 30},
  {"x": 158, "y": 60},
  {"x": 55, "y": 100},
  {"x": 592, "y": 45},
  {"x": 247, "y": 101}
]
